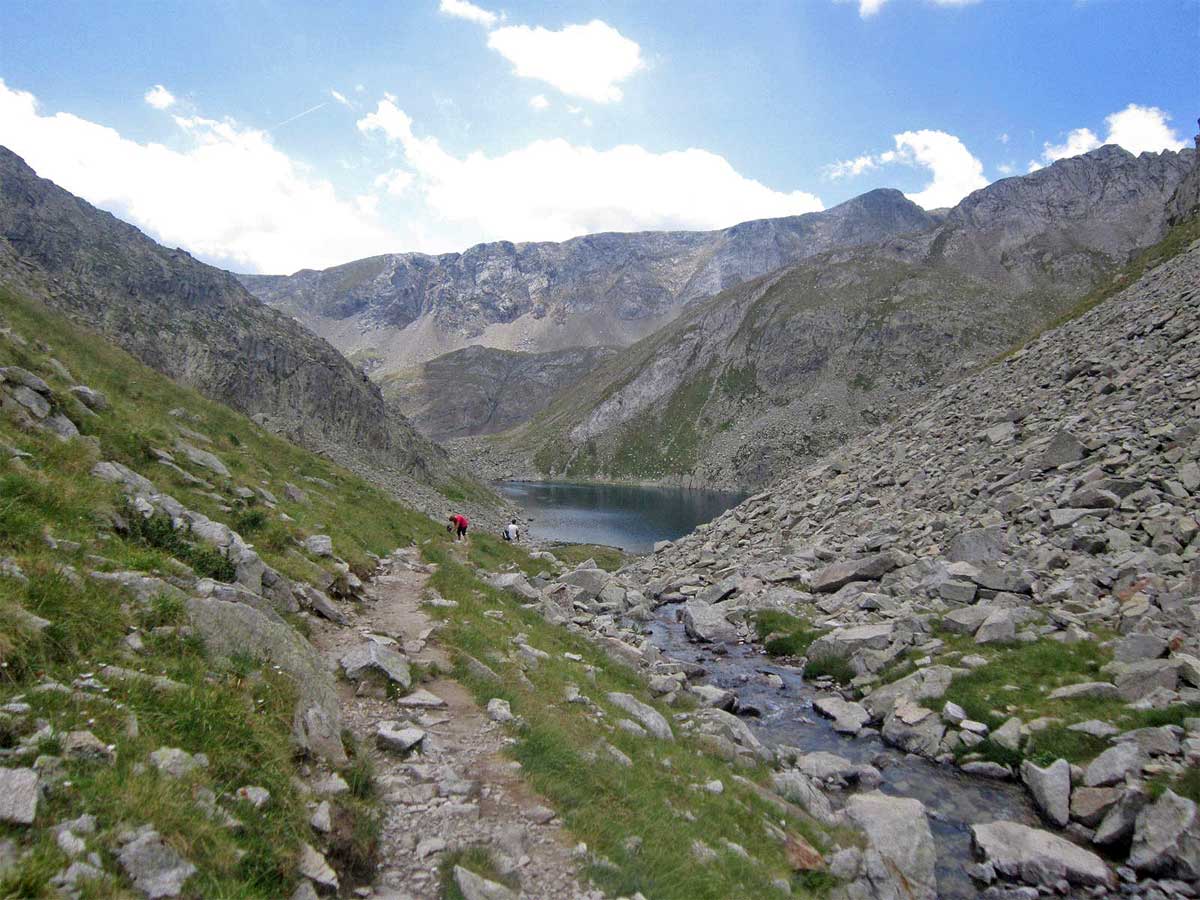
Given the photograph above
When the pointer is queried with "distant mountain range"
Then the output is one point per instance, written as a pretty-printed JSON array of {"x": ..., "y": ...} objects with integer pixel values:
[
  {"x": 742, "y": 386},
  {"x": 608, "y": 289}
]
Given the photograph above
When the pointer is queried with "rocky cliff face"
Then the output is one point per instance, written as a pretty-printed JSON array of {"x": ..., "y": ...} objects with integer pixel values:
[
  {"x": 481, "y": 390},
  {"x": 198, "y": 325},
  {"x": 742, "y": 386},
  {"x": 597, "y": 290}
]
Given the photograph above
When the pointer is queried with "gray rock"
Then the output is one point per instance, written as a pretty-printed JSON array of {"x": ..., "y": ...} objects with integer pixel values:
[
  {"x": 998, "y": 627},
  {"x": 1111, "y": 766},
  {"x": 798, "y": 788},
  {"x": 155, "y": 869},
  {"x": 868, "y": 568},
  {"x": 713, "y": 696},
  {"x": 18, "y": 796},
  {"x": 1038, "y": 857},
  {"x": 1117, "y": 826},
  {"x": 397, "y": 736},
  {"x": 900, "y": 856},
  {"x": 1064, "y": 448},
  {"x": 978, "y": 545},
  {"x": 319, "y": 545},
  {"x": 842, "y": 643},
  {"x": 1137, "y": 647},
  {"x": 313, "y": 866},
  {"x": 1138, "y": 679},
  {"x": 1051, "y": 789},
  {"x": 848, "y": 717},
  {"x": 476, "y": 887},
  {"x": 1166, "y": 839},
  {"x": 914, "y": 729},
  {"x": 177, "y": 763},
  {"x": 1090, "y": 805},
  {"x": 1008, "y": 735},
  {"x": 515, "y": 583},
  {"x": 228, "y": 629},
  {"x": 92, "y": 399},
  {"x": 647, "y": 716},
  {"x": 707, "y": 623},
  {"x": 373, "y": 658},
  {"x": 1092, "y": 690},
  {"x": 202, "y": 458},
  {"x": 968, "y": 619}
]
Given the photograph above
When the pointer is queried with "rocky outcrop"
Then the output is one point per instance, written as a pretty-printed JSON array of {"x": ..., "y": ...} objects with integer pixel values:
[
  {"x": 198, "y": 325},
  {"x": 778, "y": 370},
  {"x": 597, "y": 290},
  {"x": 482, "y": 390}
]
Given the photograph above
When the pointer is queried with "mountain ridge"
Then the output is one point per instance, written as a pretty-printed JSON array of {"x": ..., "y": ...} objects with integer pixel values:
[
  {"x": 785, "y": 366},
  {"x": 198, "y": 325},
  {"x": 610, "y": 288}
]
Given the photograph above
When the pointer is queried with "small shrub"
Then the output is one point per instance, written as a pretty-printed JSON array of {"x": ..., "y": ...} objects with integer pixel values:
[
  {"x": 835, "y": 667},
  {"x": 250, "y": 522},
  {"x": 159, "y": 531}
]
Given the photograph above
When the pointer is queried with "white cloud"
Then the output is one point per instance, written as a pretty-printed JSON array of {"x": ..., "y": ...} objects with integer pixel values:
[
  {"x": 851, "y": 167},
  {"x": 553, "y": 190},
  {"x": 539, "y": 102},
  {"x": 461, "y": 9},
  {"x": 339, "y": 97},
  {"x": 1003, "y": 138},
  {"x": 868, "y": 8},
  {"x": 1006, "y": 168},
  {"x": 395, "y": 182},
  {"x": 1136, "y": 128},
  {"x": 1142, "y": 128},
  {"x": 1081, "y": 140},
  {"x": 159, "y": 97},
  {"x": 228, "y": 194},
  {"x": 588, "y": 61},
  {"x": 956, "y": 172}
]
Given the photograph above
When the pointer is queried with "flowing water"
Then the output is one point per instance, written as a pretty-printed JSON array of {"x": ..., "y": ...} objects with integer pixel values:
[
  {"x": 633, "y": 518},
  {"x": 954, "y": 801},
  {"x": 629, "y": 517}
]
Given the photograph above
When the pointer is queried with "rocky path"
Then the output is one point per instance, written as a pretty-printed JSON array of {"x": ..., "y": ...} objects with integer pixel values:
[{"x": 454, "y": 789}]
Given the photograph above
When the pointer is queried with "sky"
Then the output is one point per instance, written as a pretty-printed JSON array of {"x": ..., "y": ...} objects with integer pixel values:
[{"x": 267, "y": 136}]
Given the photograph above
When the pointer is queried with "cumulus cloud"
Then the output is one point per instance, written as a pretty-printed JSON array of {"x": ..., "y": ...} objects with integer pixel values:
[
  {"x": 539, "y": 102},
  {"x": 553, "y": 190},
  {"x": 956, "y": 172},
  {"x": 227, "y": 193},
  {"x": 461, "y": 9},
  {"x": 587, "y": 61},
  {"x": 395, "y": 182},
  {"x": 159, "y": 97},
  {"x": 1136, "y": 128}
]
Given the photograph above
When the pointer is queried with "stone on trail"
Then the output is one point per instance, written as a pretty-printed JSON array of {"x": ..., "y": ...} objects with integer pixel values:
[
  {"x": 1039, "y": 857},
  {"x": 1166, "y": 839},
  {"x": 900, "y": 855},
  {"x": 499, "y": 710},
  {"x": 370, "y": 657},
  {"x": 648, "y": 716},
  {"x": 18, "y": 796},
  {"x": 421, "y": 699},
  {"x": 476, "y": 887},
  {"x": 398, "y": 736},
  {"x": 1051, "y": 789},
  {"x": 840, "y": 574},
  {"x": 155, "y": 869}
]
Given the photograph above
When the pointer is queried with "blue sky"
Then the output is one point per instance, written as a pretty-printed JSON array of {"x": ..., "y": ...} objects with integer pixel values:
[{"x": 456, "y": 123}]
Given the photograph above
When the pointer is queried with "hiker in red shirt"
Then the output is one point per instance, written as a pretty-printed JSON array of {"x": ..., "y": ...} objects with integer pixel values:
[{"x": 458, "y": 526}]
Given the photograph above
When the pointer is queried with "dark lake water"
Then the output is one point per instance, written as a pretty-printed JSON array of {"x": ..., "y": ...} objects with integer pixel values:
[{"x": 631, "y": 518}]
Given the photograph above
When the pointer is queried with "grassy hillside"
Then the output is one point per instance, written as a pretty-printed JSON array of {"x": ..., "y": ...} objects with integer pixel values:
[{"x": 62, "y": 628}]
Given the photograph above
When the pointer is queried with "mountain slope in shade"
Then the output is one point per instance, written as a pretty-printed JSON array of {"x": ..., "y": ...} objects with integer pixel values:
[
  {"x": 198, "y": 325},
  {"x": 481, "y": 390},
  {"x": 742, "y": 386},
  {"x": 598, "y": 290}
]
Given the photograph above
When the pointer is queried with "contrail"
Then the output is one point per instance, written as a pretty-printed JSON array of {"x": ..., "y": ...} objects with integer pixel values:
[{"x": 300, "y": 115}]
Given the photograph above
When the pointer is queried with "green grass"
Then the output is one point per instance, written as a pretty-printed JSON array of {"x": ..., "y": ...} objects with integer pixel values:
[
  {"x": 601, "y": 802},
  {"x": 784, "y": 634},
  {"x": 474, "y": 859},
  {"x": 607, "y": 558}
]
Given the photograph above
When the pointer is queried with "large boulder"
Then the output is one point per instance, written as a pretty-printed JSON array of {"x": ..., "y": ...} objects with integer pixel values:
[
  {"x": 842, "y": 643},
  {"x": 1038, "y": 857},
  {"x": 926, "y": 684},
  {"x": 230, "y": 629},
  {"x": 707, "y": 623},
  {"x": 590, "y": 581},
  {"x": 515, "y": 583},
  {"x": 900, "y": 855},
  {"x": 1166, "y": 839},
  {"x": 914, "y": 729},
  {"x": 840, "y": 574},
  {"x": 371, "y": 658},
  {"x": 1051, "y": 789},
  {"x": 649, "y": 717}
]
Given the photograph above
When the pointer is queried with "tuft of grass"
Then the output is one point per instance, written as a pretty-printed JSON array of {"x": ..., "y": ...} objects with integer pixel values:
[
  {"x": 159, "y": 532},
  {"x": 475, "y": 859},
  {"x": 784, "y": 634},
  {"x": 607, "y": 558}
]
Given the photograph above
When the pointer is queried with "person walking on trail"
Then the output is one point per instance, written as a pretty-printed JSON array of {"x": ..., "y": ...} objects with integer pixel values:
[
  {"x": 458, "y": 526},
  {"x": 512, "y": 531}
]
